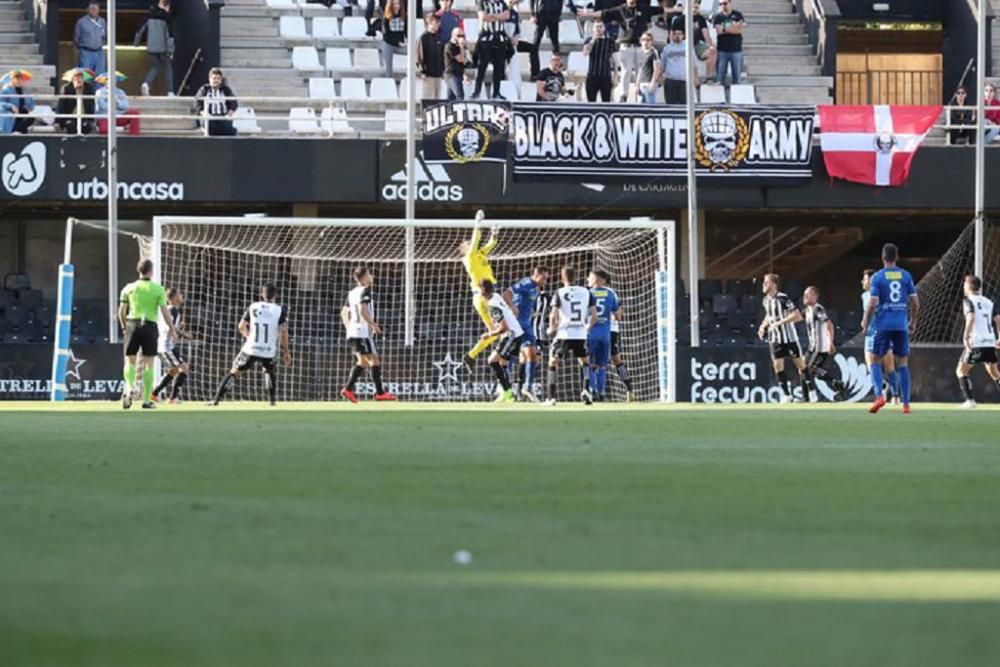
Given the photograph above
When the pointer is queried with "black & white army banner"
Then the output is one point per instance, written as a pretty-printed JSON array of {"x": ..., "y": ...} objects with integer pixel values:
[
  {"x": 463, "y": 132},
  {"x": 647, "y": 140}
]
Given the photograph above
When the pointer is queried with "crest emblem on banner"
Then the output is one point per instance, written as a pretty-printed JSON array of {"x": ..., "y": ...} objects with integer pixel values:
[
  {"x": 721, "y": 139},
  {"x": 467, "y": 143}
]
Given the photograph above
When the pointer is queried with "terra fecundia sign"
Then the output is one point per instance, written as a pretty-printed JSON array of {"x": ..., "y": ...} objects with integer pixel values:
[
  {"x": 578, "y": 140},
  {"x": 465, "y": 132}
]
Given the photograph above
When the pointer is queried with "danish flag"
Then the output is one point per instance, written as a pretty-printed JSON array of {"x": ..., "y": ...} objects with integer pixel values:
[{"x": 873, "y": 144}]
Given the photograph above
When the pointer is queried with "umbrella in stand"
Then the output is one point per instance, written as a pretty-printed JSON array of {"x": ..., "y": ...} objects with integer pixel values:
[
  {"x": 88, "y": 74},
  {"x": 103, "y": 78},
  {"x": 9, "y": 77}
]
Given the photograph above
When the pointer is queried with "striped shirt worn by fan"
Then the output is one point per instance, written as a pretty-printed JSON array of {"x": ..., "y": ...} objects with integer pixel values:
[
  {"x": 819, "y": 336},
  {"x": 599, "y": 63},
  {"x": 492, "y": 30},
  {"x": 775, "y": 308}
]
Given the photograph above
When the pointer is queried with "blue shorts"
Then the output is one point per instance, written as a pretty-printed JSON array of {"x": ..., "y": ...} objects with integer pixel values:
[
  {"x": 600, "y": 350},
  {"x": 882, "y": 342},
  {"x": 529, "y": 336}
]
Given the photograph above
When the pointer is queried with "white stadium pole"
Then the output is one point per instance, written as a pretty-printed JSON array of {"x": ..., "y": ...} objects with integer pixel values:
[
  {"x": 692, "y": 179},
  {"x": 112, "y": 158},
  {"x": 980, "y": 201},
  {"x": 411, "y": 149}
]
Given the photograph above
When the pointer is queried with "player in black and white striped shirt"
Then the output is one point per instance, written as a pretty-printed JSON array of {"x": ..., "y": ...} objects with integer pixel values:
[
  {"x": 778, "y": 329},
  {"x": 982, "y": 320},
  {"x": 819, "y": 327},
  {"x": 175, "y": 368}
]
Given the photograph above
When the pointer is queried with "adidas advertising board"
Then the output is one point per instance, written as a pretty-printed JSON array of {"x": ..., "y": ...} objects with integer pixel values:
[{"x": 432, "y": 182}]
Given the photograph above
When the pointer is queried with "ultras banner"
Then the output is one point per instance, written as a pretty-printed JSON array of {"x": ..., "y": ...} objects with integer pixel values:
[
  {"x": 649, "y": 140},
  {"x": 462, "y": 132}
]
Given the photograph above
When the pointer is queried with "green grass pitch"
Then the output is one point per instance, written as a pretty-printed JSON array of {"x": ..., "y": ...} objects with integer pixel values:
[{"x": 614, "y": 536}]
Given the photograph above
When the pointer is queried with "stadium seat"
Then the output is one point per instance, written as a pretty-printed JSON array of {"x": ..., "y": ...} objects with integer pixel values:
[
  {"x": 469, "y": 5},
  {"x": 334, "y": 120},
  {"x": 353, "y": 88},
  {"x": 367, "y": 59},
  {"x": 399, "y": 62},
  {"x": 30, "y": 298},
  {"x": 395, "y": 120},
  {"x": 7, "y": 298},
  {"x": 293, "y": 27},
  {"x": 245, "y": 121},
  {"x": 383, "y": 88},
  {"x": 742, "y": 93},
  {"x": 325, "y": 27},
  {"x": 471, "y": 30},
  {"x": 713, "y": 94},
  {"x": 354, "y": 27},
  {"x": 338, "y": 58},
  {"x": 509, "y": 90},
  {"x": 16, "y": 282},
  {"x": 529, "y": 91},
  {"x": 739, "y": 288},
  {"x": 302, "y": 120},
  {"x": 321, "y": 88},
  {"x": 306, "y": 59},
  {"x": 724, "y": 305},
  {"x": 569, "y": 32},
  {"x": 707, "y": 288},
  {"x": 281, "y": 4},
  {"x": 578, "y": 63}
]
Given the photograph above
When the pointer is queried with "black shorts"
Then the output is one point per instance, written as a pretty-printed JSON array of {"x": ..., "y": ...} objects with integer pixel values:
[
  {"x": 141, "y": 336},
  {"x": 785, "y": 351},
  {"x": 565, "y": 347},
  {"x": 979, "y": 355},
  {"x": 508, "y": 346},
  {"x": 615, "y": 349},
  {"x": 244, "y": 361},
  {"x": 363, "y": 346},
  {"x": 172, "y": 359}
]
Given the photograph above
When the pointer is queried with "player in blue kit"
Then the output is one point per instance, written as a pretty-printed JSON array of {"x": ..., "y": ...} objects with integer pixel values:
[
  {"x": 892, "y": 316},
  {"x": 599, "y": 338},
  {"x": 524, "y": 294}
]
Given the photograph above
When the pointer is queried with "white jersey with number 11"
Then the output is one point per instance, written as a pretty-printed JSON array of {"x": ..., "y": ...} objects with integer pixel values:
[{"x": 264, "y": 319}]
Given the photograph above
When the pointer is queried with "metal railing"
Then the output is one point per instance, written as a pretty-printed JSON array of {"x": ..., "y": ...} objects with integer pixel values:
[{"x": 890, "y": 87}]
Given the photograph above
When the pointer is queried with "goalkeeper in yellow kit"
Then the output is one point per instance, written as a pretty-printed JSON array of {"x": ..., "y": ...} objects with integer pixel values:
[{"x": 476, "y": 259}]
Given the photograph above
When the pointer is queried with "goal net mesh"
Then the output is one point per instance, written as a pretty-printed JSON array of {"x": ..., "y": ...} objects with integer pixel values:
[
  {"x": 220, "y": 267},
  {"x": 940, "y": 290}
]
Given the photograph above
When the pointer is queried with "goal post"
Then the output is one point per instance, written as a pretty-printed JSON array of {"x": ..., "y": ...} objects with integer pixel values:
[{"x": 422, "y": 295}]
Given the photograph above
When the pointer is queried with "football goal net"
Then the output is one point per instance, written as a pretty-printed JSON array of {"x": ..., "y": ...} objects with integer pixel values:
[{"x": 421, "y": 296}]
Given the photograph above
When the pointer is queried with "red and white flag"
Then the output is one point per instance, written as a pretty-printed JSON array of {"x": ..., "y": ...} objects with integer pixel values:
[{"x": 873, "y": 144}]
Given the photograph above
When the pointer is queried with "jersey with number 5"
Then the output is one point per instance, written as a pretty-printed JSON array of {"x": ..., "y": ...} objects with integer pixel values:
[
  {"x": 893, "y": 288},
  {"x": 606, "y": 304},
  {"x": 573, "y": 304},
  {"x": 264, "y": 319}
]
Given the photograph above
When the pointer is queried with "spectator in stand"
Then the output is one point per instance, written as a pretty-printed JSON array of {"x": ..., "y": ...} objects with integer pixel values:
[
  {"x": 992, "y": 118},
  {"x": 649, "y": 70},
  {"x": 633, "y": 20},
  {"x": 546, "y": 15},
  {"x": 450, "y": 19},
  {"x": 964, "y": 117},
  {"x": 456, "y": 59},
  {"x": 76, "y": 105},
  {"x": 551, "y": 82},
  {"x": 216, "y": 104},
  {"x": 599, "y": 50},
  {"x": 493, "y": 44},
  {"x": 14, "y": 101},
  {"x": 159, "y": 46},
  {"x": 729, "y": 25},
  {"x": 393, "y": 33},
  {"x": 611, "y": 27},
  {"x": 660, "y": 26},
  {"x": 518, "y": 45},
  {"x": 703, "y": 46},
  {"x": 89, "y": 35},
  {"x": 674, "y": 67},
  {"x": 430, "y": 59},
  {"x": 127, "y": 117}
]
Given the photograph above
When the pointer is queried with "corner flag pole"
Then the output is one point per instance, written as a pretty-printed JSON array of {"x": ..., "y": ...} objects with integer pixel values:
[
  {"x": 980, "y": 197},
  {"x": 692, "y": 178},
  {"x": 411, "y": 149},
  {"x": 112, "y": 158}
]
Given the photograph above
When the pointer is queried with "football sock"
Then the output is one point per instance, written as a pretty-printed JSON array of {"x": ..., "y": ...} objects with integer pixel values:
[
  {"x": 529, "y": 374},
  {"x": 521, "y": 375},
  {"x": 876, "y": 371},
  {"x": 602, "y": 380},
  {"x": 997, "y": 382},
  {"x": 271, "y": 382},
  {"x": 786, "y": 386},
  {"x": 550, "y": 382},
  {"x": 501, "y": 374},
  {"x": 352, "y": 379},
  {"x": 624, "y": 375},
  {"x": 376, "y": 372},
  {"x": 224, "y": 386},
  {"x": 904, "y": 383},
  {"x": 893, "y": 380},
  {"x": 592, "y": 380},
  {"x": 147, "y": 384},
  {"x": 584, "y": 378},
  {"x": 164, "y": 383},
  {"x": 129, "y": 375},
  {"x": 806, "y": 384},
  {"x": 965, "y": 382},
  {"x": 179, "y": 380}
]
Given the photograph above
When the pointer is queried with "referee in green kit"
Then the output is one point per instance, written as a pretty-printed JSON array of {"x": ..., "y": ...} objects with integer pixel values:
[{"x": 141, "y": 302}]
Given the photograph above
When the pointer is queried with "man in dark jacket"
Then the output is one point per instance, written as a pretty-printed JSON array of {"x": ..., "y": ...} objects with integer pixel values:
[
  {"x": 159, "y": 46},
  {"x": 76, "y": 106},
  {"x": 430, "y": 59},
  {"x": 217, "y": 103},
  {"x": 546, "y": 15}
]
